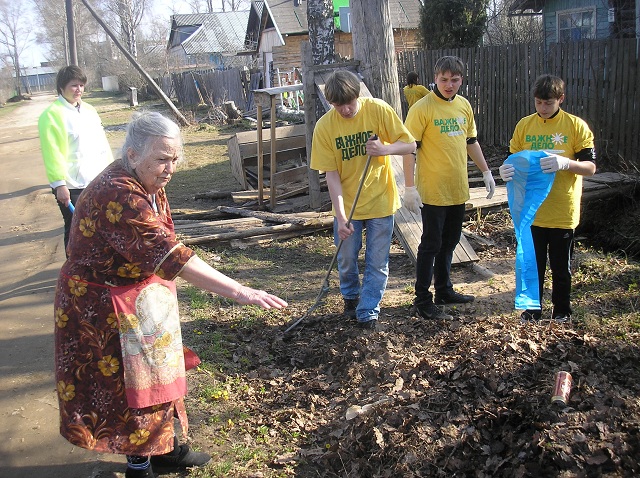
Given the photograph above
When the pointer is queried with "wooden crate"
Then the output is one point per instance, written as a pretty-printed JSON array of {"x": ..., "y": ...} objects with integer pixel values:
[{"x": 291, "y": 154}]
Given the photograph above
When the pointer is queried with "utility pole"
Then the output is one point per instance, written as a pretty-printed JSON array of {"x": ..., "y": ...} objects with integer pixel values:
[
  {"x": 71, "y": 30},
  {"x": 66, "y": 44}
]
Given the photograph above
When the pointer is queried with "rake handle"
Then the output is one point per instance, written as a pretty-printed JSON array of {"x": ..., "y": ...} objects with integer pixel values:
[{"x": 325, "y": 283}]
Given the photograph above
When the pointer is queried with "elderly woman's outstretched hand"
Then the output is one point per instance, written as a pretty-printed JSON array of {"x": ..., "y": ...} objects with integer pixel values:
[{"x": 247, "y": 296}]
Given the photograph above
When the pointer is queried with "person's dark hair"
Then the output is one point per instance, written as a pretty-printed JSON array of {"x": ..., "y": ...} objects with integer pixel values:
[
  {"x": 142, "y": 130},
  {"x": 547, "y": 87},
  {"x": 67, "y": 74},
  {"x": 412, "y": 78},
  {"x": 451, "y": 64},
  {"x": 342, "y": 87}
]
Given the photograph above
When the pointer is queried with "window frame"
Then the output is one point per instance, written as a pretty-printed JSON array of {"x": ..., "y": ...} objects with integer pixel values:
[{"x": 573, "y": 11}]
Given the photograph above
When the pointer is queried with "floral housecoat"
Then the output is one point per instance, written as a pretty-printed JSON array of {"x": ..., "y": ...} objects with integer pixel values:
[{"x": 117, "y": 238}]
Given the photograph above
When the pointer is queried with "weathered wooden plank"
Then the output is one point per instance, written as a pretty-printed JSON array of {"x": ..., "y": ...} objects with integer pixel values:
[
  {"x": 257, "y": 231},
  {"x": 478, "y": 198},
  {"x": 288, "y": 142},
  {"x": 200, "y": 228},
  {"x": 408, "y": 226}
]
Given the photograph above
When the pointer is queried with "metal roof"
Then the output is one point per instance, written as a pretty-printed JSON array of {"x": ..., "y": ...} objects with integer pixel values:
[
  {"x": 38, "y": 70},
  {"x": 221, "y": 32}
]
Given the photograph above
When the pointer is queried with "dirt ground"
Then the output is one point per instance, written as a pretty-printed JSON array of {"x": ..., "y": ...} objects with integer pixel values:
[
  {"x": 415, "y": 398},
  {"x": 30, "y": 256}
]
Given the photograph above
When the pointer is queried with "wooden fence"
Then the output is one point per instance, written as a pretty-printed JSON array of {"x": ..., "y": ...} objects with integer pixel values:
[
  {"x": 602, "y": 87},
  {"x": 206, "y": 86}
]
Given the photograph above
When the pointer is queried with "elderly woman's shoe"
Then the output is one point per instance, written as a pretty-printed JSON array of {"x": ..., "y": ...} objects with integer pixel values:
[
  {"x": 139, "y": 467},
  {"x": 180, "y": 458},
  {"x": 147, "y": 473}
]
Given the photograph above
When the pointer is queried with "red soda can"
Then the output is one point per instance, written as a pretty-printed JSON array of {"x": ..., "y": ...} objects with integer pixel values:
[{"x": 562, "y": 388}]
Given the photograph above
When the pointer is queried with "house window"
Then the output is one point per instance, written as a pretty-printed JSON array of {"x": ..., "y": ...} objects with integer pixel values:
[{"x": 576, "y": 25}]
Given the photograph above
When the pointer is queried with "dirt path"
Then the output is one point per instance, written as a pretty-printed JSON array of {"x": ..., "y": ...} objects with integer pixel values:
[{"x": 30, "y": 256}]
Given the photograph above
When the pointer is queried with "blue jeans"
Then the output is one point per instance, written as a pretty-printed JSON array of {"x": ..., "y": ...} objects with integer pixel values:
[
  {"x": 376, "y": 264},
  {"x": 441, "y": 229}
]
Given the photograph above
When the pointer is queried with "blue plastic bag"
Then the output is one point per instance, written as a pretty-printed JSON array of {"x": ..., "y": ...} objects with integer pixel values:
[{"x": 525, "y": 194}]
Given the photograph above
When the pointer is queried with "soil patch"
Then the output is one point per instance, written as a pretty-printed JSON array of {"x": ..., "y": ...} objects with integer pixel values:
[{"x": 414, "y": 398}]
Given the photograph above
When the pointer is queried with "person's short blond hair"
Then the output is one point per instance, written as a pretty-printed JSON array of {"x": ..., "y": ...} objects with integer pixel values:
[{"x": 342, "y": 87}]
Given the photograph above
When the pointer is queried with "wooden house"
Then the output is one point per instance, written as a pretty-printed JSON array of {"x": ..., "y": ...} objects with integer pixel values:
[
  {"x": 208, "y": 40},
  {"x": 576, "y": 20},
  {"x": 276, "y": 30}
]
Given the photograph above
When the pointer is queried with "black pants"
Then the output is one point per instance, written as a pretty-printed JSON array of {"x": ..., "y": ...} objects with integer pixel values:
[
  {"x": 67, "y": 216},
  {"x": 559, "y": 245},
  {"x": 441, "y": 228}
]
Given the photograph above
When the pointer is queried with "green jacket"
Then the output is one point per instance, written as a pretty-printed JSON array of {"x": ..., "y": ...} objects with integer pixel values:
[{"x": 74, "y": 146}]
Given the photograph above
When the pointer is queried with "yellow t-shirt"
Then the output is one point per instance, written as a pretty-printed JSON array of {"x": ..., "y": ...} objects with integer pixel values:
[
  {"x": 566, "y": 135},
  {"x": 414, "y": 93},
  {"x": 339, "y": 144},
  {"x": 442, "y": 127}
]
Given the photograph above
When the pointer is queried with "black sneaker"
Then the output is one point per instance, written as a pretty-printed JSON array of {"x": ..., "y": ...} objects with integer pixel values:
[
  {"x": 369, "y": 324},
  {"x": 430, "y": 312},
  {"x": 531, "y": 316},
  {"x": 186, "y": 458},
  {"x": 350, "y": 306},
  {"x": 453, "y": 297},
  {"x": 561, "y": 318},
  {"x": 146, "y": 473}
]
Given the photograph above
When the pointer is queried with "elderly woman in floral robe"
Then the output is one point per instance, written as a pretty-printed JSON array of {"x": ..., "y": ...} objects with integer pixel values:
[{"x": 119, "y": 366}]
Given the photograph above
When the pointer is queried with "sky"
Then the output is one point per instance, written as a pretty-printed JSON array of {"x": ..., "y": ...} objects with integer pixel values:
[{"x": 34, "y": 55}]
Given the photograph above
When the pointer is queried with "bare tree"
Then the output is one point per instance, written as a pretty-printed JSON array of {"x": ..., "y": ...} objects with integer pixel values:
[
  {"x": 211, "y": 6},
  {"x": 152, "y": 51},
  {"x": 198, "y": 6},
  {"x": 231, "y": 5},
  {"x": 506, "y": 29},
  {"x": 128, "y": 15},
  {"x": 6, "y": 83},
  {"x": 91, "y": 42},
  {"x": 15, "y": 36}
]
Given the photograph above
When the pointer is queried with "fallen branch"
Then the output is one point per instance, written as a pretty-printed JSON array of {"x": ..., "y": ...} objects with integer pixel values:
[
  {"x": 315, "y": 220},
  {"x": 268, "y": 238}
]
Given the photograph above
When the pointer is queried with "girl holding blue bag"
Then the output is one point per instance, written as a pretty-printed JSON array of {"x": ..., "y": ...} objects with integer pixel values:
[{"x": 569, "y": 151}]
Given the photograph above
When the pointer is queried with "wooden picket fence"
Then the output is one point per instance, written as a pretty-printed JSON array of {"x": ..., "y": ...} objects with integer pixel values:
[
  {"x": 602, "y": 87},
  {"x": 211, "y": 87}
]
